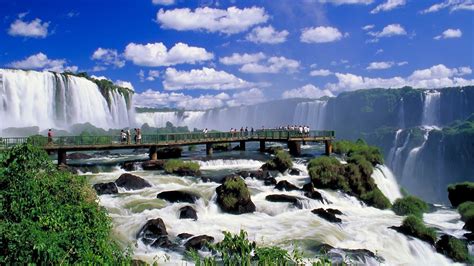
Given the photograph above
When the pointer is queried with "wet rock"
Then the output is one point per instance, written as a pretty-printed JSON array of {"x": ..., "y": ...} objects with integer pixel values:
[
  {"x": 309, "y": 187},
  {"x": 78, "y": 156},
  {"x": 186, "y": 172},
  {"x": 152, "y": 230},
  {"x": 105, "y": 188},
  {"x": 163, "y": 242},
  {"x": 233, "y": 196},
  {"x": 259, "y": 174},
  {"x": 285, "y": 185},
  {"x": 453, "y": 248},
  {"x": 153, "y": 165},
  {"x": 169, "y": 152},
  {"x": 130, "y": 182},
  {"x": 294, "y": 171},
  {"x": 206, "y": 179},
  {"x": 178, "y": 196},
  {"x": 129, "y": 166},
  {"x": 198, "y": 242},
  {"x": 296, "y": 201},
  {"x": 469, "y": 237},
  {"x": 271, "y": 181},
  {"x": 338, "y": 255},
  {"x": 187, "y": 212},
  {"x": 311, "y": 193},
  {"x": 326, "y": 215},
  {"x": 459, "y": 193},
  {"x": 185, "y": 236},
  {"x": 334, "y": 211}
]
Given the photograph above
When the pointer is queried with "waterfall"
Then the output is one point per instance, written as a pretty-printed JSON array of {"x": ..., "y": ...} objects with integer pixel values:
[
  {"x": 396, "y": 162},
  {"x": 431, "y": 108},
  {"x": 409, "y": 171},
  {"x": 311, "y": 113},
  {"x": 52, "y": 100},
  {"x": 391, "y": 153},
  {"x": 401, "y": 114},
  {"x": 386, "y": 182}
]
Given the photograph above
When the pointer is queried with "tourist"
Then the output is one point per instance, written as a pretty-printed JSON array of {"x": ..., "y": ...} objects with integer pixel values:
[
  {"x": 251, "y": 131},
  {"x": 139, "y": 136},
  {"x": 123, "y": 136},
  {"x": 135, "y": 137},
  {"x": 128, "y": 136},
  {"x": 50, "y": 136}
]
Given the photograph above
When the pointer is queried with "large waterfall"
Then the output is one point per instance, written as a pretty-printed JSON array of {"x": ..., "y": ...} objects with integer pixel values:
[
  {"x": 431, "y": 108},
  {"x": 312, "y": 114},
  {"x": 52, "y": 100}
]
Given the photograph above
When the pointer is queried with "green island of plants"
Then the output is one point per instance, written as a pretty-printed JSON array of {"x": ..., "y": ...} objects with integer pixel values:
[
  {"x": 51, "y": 217},
  {"x": 281, "y": 162},
  {"x": 466, "y": 210},
  {"x": 410, "y": 205},
  {"x": 354, "y": 177},
  {"x": 414, "y": 226},
  {"x": 176, "y": 165}
]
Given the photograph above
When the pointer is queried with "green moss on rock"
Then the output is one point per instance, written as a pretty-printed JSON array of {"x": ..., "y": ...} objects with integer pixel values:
[
  {"x": 466, "y": 209},
  {"x": 414, "y": 226},
  {"x": 180, "y": 167},
  {"x": 233, "y": 196},
  {"x": 410, "y": 205},
  {"x": 281, "y": 162}
]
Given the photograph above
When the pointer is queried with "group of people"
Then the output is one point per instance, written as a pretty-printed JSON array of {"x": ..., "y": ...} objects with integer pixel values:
[
  {"x": 301, "y": 129},
  {"x": 126, "y": 137}
]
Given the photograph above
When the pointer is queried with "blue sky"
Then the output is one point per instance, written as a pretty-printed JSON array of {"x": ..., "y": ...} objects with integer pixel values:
[{"x": 205, "y": 54}]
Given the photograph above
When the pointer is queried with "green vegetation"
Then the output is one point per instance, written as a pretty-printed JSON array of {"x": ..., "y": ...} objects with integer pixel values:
[
  {"x": 238, "y": 250},
  {"x": 50, "y": 217},
  {"x": 453, "y": 248},
  {"x": 174, "y": 165},
  {"x": 461, "y": 192},
  {"x": 410, "y": 205},
  {"x": 354, "y": 177},
  {"x": 221, "y": 146},
  {"x": 236, "y": 185},
  {"x": 414, "y": 226},
  {"x": 281, "y": 161},
  {"x": 466, "y": 210}
]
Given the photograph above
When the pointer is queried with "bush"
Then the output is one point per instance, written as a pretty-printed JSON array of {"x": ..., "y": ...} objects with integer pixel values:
[
  {"x": 281, "y": 162},
  {"x": 327, "y": 172},
  {"x": 466, "y": 210},
  {"x": 349, "y": 149},
  {"x": 376, "y": 199},
  {"x": 410, "y": 205},
  {"x": 175, "y": 165},
  {"x": 453, "y": 248},
  {"x": 50, "y": 217},
  {"x": 414, "y": 226}
]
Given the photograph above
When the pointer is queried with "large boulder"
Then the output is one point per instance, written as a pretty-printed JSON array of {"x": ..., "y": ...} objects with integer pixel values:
[
  {"x": 129, "y": 166},
  {"x": 310, "y": 192},
  {"x": 182, "y": 168},
  {"x": 153, "y": 165},
  {"x": 130, "y": 182},
  {"x": 461, "y": 192},
  {"x": 185, "y": 235},
  {"x": 105, "y": 188},
  {"x": 169, "y": 152},
  {"x": 187, "y": 212},
  {"x": 178, "y": 196},
  {"x": 294, "y": 171},
  {"x": 271, "y": 181},
  {"x": 78, "y": 156},
  {"x": 233, "y": 196},
  {"x": 152, "y": 231},
  {"x": 285, "y": 185},
  {"x": 198, "y": 242},
  {"x": 281, "y": 162},
  {"x": 328, "y": 215},
  {"x": 453, "y": 248},
  {"x": 284, "y": 198}
]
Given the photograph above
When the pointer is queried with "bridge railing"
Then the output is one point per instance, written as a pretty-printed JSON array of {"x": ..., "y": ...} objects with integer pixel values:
[{"x": 67, "y": 141}]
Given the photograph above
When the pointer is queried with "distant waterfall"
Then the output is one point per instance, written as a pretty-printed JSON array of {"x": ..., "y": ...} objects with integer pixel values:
[
  {"x": 401, "y": 114},
  {"x": 311, "y": 113},
  {"x": 411, "y": 161},
  {"x": 47, "y": 99},
  {"x": 431, "y": 108}
]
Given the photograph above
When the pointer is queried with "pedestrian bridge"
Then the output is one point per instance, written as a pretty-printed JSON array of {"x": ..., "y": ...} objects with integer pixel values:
[{"x": 62, "y": 145}]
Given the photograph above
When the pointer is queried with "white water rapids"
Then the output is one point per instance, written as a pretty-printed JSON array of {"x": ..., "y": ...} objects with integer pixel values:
[{"x": 279, "y": 224}]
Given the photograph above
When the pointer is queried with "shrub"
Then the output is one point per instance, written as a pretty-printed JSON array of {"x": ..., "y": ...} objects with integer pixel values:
[
  {"x": 174, "y": 165},
  {"x": 453, "y": 248},
  {"x": 410, "y": 205},
  {"x": 376, "y": 199},
  {"x": 414, "y": 226},
  {"x": 326, "y": 172},
  {"x": 281, "y": 162},
  {"x": 466, "y": 210},
  {"x": 50, "y": 217},
  {"x": 350, "y": 149}
]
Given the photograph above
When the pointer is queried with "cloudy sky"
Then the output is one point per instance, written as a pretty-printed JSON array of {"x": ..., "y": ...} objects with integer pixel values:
[{"x": 212, "y": 53}]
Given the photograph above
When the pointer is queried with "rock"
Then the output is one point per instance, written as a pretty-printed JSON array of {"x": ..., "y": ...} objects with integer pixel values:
[
  {"x": 453, "y": 248},
  {"x": 269, "y": 181},
  {"x": 169, "y": 152},
  {"x": 259, "y": 174},
  {"x": 311, "y": 193},
  {"x": 128, "y": 166},
  {"x": 186, "y": 172},
  {"x": 187, "y": 212},
  {"x": 284, "y": 198},
  {"x": 233, "y": 196},
  {"x": 178, "y": 196},
  {"x": 469, "y": 237},
  {"x": 163, "y": 242},
  {"x": 334, "y": 211},
  {"x": 206, "y": 179},
  {"x": 459, "y": 193},
  {"x": 105, "y": 188},
  {"x": 221, "y": 147},
  {"x": 198, "y": 242},
  {"x": 78, "y": 156},
  {"x": 153, "y": 165},
  {"x": 338, "y": 255},
  {"x": 285, "y": 185},
  {"x": 326, "y": 215},
  {"x": 309, "y": 187},
  {"x": 152, "y": 230},
  {"x": 294, "y": 171},
  {"x": 130, "y": 182},
  {"x": 185, "y": 235},
  {"x": 281, "y": 162}
]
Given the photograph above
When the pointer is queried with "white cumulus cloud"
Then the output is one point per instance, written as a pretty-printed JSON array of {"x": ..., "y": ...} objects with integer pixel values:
[
  {"x": 320, "y": 35},
  {"x": 34, "y": 29},
  {"x": 241, "y": 59},
  {"x": 230, "y": 21},
  {"x": 41, "y": 61},
  {"x": 156, "y": 54},
  {"x": 125, "y": 84},
  {"x": 388, "y": 5},
  {"x": 108, "y": 57},
  {"x": 205, "y": 78},
  {"x": 247, "y": 97},
  {"x": 449, "y": 34},
  {"x": 347, "y": 2},
  {"x": 452, "y": 5},
  {"x": 163, "y": 2},
  {"x": 380, "y": 65},
  {"x": 267, "y": 35},
  {"x": 307, "y": 91},
  {"x": 272, "y": 65},
  {"x": 320, "y": 73}
]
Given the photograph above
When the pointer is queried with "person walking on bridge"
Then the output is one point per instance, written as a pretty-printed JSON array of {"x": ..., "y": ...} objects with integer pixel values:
[
  {"x": 50, "y": 136},
  {"x": 123, "y": 136},
  {"x": 128, "y": 136}
]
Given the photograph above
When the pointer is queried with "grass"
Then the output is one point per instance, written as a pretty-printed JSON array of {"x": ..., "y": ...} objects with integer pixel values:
[{"x": 174, "y": 165}]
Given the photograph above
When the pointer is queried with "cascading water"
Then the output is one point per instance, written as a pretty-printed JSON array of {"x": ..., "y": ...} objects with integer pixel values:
[
  {"x": 312, "y": 114},
  {"x": 431, "y": 108},
  {"x": 46, "y": 99},
  {"x": 409, "y": 169},
  {"x": 386, "y": 182}
]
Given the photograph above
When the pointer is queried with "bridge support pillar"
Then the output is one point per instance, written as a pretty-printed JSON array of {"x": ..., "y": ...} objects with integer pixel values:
[
  {"x": 242, "y": 145},
  {"x": 209, "y": 149},
  {"x": 153, "y": 153},
  {"x": 62, "y": 159},
  {"x": 262, "y": 146},
  {"x": 328, "y": 147},
  {"x": 295, "y": 147}
]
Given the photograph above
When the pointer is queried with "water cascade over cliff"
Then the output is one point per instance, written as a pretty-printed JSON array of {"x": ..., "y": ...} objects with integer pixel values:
[{"x": 48, "y": 99}]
